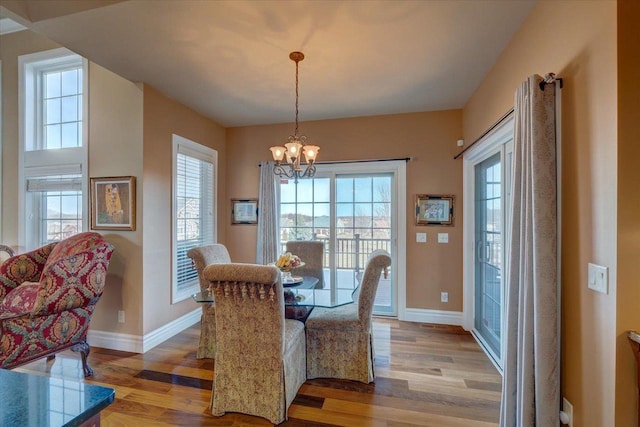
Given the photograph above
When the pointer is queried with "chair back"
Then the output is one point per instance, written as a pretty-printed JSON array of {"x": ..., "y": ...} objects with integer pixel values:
[
  {"x": 377, "y": 263},
  {"x": 249, "y": 301},
  {"x": 74, "y": 274},
  {"x": 202, "y": 256},
  {"x": 311, "y": 252}
]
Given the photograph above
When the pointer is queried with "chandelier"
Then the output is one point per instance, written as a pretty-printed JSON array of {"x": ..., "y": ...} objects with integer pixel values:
[{"x": 292, "y": 150}]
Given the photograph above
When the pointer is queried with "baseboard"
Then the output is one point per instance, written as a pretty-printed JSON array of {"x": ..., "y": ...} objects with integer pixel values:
[
  {"x": 440, "y": 317},
  {"x": 142, "y": 344}
]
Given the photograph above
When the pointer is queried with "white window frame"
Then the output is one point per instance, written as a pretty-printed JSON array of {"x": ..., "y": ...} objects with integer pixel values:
[
  {"x": 500, "y": 139},
  {"x": 190, "y": 148},
  {"x": 47, "y": 162}
]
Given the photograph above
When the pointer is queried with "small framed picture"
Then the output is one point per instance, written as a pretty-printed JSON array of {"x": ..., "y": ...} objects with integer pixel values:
[
  {"x": 434, "y": 209},
  {"x": 113, "y": 203},
  {"x": 244, "y": 211}
]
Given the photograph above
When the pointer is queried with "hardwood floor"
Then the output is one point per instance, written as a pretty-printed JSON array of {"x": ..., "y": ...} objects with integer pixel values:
[{"x": 426, "y": 375}]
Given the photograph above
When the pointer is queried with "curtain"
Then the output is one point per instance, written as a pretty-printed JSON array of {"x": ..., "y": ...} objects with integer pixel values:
[
  {"x": 531, "y": 383},
  {"x": 267, "y": 246}
]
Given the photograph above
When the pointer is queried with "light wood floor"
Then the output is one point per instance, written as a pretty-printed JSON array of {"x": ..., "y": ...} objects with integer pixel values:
[{"x": 426, "y": 375}]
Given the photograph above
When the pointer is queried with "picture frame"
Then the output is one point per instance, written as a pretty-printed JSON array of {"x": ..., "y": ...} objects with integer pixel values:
[
  {"x": 434, "y": 209},
  {"x": 113, "y": 203},
  {"x": 244, "y": 211}
]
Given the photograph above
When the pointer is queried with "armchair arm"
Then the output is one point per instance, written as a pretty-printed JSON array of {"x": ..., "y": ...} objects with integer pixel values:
[
  {"x": 26, "y": 267},
  {"x": 20, "y": 301}
]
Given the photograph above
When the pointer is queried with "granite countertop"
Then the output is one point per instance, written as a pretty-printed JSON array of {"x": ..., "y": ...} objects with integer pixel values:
[
  {"x": 36, "y": 400},
  {"x": 634, "y": 336}
]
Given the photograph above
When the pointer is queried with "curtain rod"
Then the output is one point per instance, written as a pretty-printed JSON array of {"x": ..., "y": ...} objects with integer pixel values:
[
  {"x": 492, "y": 127},
  {"x": 549, "y": 78},
  {"x": 335, "y": 162}
]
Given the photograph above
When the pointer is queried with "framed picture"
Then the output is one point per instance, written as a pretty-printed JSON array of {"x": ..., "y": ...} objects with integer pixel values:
[
  {"x": 244, "y": 211},
  {"x": 434, "y": 209},
  {"x": 113, "y": 203}
]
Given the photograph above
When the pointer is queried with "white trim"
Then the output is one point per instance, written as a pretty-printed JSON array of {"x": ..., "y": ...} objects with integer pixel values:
[
  {"x": 8, "y": 26},
  {"x": 138, "y": 344},
  {"x": 440, "y": 317}
]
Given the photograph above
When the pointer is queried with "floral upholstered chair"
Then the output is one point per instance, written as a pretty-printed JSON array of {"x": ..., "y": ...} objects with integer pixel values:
[
  {"x": 260, "y": 355},
  {"x": 311, "y": 252},
  {"x": 339, "y": 340},
  {"x": 47, "y": 297},
  {"x": 201, "y": 257}
]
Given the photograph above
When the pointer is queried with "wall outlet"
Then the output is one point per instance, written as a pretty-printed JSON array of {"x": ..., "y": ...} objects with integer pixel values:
[
  {"x": 421, "y": 237},
  {"x": 120, "y": 316},
  {"x": 566, "y": 415},
  {"x": 443, "y": 237},
  {"x": 444, "y": 296},
  {"x": 460, "y": 142}
]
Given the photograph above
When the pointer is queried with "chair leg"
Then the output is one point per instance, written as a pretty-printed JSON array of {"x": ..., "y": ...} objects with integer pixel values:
[
  {"x": 51, "y": 357},
  {"x": 83, "y": 348}
]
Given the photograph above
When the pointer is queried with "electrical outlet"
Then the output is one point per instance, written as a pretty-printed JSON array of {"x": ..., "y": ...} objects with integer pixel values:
[
  {"x": 444, "y": 296},
  {"x": 566, "y": 415},
  {"x": 443, "y": 237},
  {"x": 120, "y": 316}
]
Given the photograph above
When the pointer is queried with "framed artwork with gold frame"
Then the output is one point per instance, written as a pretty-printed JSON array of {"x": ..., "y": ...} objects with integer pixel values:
[
  {"x": 113, "y": 203},
  {"x": 434, "y": 209}
]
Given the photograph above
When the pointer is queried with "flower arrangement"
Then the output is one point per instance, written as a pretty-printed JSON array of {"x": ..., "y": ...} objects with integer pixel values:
[{"x": 288, "y": 261}]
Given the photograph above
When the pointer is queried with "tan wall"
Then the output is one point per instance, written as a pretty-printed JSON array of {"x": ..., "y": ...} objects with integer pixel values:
[
  {"x": 576, "y": 40},
  {"x": 628, "y": 313},
  {"x": 115, "y": 149},
  {"x": 11, "y": 46},
  {"x": 162, "y": 118},
  {"x": 429, "y": 138}
]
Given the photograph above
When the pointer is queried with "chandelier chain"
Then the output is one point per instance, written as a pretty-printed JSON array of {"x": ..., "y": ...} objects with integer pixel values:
[{"x": 296, "y": 131}]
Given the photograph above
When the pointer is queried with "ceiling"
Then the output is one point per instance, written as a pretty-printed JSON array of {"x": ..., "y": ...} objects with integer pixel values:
[{"x": 229, "y": 60}]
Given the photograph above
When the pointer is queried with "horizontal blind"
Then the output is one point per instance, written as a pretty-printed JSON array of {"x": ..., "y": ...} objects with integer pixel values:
[
  {"x": 55, "y": 183},
  {"x": 194, "y": 213}
]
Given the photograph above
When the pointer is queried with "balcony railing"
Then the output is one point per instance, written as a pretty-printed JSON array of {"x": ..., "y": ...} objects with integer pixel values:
[{"x": 351, "y": 253}]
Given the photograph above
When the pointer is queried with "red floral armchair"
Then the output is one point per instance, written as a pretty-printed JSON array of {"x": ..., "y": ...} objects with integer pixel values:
[{"x": 47, "y": 297}]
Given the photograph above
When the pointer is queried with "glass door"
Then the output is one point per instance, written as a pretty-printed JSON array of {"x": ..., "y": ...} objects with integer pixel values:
[
  {"x": 487, "y": 176},
  {"x": 488, "y": 251},
  {"x": 354, "y": 213}
]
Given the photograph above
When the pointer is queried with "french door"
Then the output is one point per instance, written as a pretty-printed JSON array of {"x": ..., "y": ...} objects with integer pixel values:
[
  {"x": 353, "y": 210},
  {"x": 487, "y": 197}
]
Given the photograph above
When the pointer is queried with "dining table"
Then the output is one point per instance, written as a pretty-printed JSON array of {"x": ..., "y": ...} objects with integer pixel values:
[{"x": 300, "y": 297}]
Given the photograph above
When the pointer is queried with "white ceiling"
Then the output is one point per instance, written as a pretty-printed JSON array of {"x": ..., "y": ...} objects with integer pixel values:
[{"x": 229, "y": 60}]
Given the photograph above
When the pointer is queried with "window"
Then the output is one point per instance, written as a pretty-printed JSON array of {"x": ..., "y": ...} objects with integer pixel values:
[
  {"x": 194, "y": 190},
  {"x": 53, "y": 148}
]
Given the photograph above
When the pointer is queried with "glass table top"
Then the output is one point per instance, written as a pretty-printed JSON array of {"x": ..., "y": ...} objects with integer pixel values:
[{"x": 301, "y": 294}]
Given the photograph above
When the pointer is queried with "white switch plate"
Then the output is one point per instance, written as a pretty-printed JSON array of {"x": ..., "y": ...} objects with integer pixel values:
[
  {"x": 444, "y": 296},
  {"x": 120, "y": 316},
  {"x": 567, "y": 410},
  {"x": 443, "y": 237},
  {"x": 421, "y": 237},
  {"x": 598, "y": 279}
]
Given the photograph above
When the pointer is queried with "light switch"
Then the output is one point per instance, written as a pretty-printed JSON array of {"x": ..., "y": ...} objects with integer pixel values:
[
  {"x": 598, "y": 279},
  {"x": 421, "y": 237},
  {"x": 443, "y": 237}
]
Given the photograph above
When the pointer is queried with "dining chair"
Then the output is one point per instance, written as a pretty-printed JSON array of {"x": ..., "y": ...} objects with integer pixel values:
[
  {"x": 339, "y": 340},
  {"x": 201, "y": 257},
  {"x": 260, "y": 356},
  {"x": 311, "y": 252}
]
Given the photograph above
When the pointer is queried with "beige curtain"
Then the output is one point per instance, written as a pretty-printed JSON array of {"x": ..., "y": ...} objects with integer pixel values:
[
  {"x": 267, "y": 245},
  {"x": 531, "y": 383}
]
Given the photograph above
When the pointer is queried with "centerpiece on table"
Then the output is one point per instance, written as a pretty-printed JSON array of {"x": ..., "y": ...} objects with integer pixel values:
[{"x": 287, "y": 262}]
